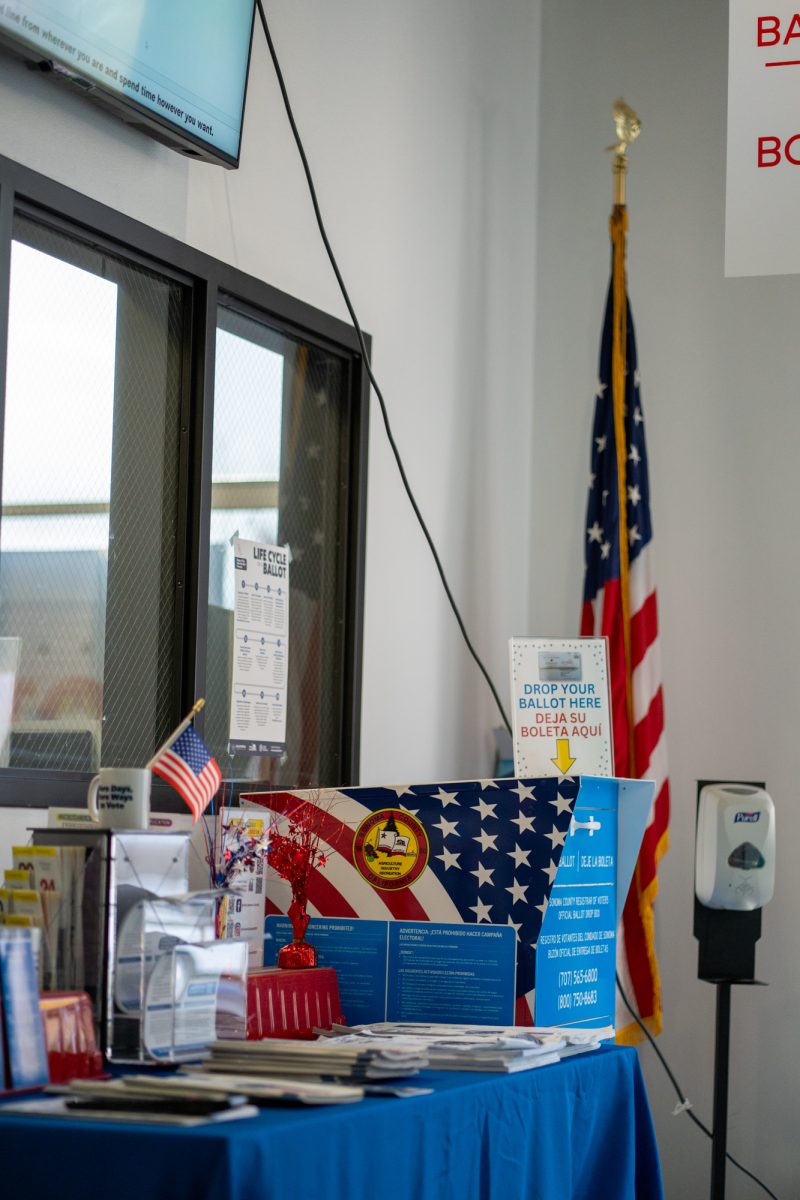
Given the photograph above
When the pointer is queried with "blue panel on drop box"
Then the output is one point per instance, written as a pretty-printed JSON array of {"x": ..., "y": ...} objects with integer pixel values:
[{"x": 576, "y": 951}]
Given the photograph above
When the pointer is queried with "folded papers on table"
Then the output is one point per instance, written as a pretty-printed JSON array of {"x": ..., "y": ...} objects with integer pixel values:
[{"x": 327, "y": 1058}]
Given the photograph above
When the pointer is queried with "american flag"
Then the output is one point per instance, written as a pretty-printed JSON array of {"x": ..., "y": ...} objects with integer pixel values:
[
  {"x": 619, "y": 602},
  {"x": 187, "y": 764},
  {"x": 493, "y": 849}
]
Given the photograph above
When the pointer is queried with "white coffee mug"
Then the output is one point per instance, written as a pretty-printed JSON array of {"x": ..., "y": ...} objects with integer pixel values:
[{"x": 119, "y": 798}]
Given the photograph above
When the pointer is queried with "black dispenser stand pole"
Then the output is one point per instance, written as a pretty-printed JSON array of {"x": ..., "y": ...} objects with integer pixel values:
[
  {"x": 726, "y": 956},
  {"x": 721, "y": 1057}
]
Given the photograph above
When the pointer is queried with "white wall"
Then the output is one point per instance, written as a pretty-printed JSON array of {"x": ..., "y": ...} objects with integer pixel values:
[
  {"x": 720, "y": 396},
  {"x": 421, "y": 126},
  {"x": 65, "y": 136}
]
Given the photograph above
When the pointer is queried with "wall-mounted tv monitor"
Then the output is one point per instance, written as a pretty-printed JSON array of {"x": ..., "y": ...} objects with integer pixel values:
[{"x": 177, "y": 68}]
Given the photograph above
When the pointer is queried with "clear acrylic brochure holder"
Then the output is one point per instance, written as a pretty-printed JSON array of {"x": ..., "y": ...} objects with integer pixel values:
[{"x": 177, "y": 986}]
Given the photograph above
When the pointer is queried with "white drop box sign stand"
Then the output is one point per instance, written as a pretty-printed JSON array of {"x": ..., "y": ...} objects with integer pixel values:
[{"x": 561, "y": 706}]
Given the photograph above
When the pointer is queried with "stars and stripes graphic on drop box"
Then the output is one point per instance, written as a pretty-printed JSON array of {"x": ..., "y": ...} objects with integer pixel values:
[
  {"x": 482, "y": 851},
  {"x": 619, "y": 602}
]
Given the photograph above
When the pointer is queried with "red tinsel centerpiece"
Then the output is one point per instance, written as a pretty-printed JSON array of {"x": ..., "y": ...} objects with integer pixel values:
[{"x": 294, "y": 855}]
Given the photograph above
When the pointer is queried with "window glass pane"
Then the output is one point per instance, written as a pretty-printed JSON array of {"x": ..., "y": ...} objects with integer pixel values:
[
  {"x": 278, "y": 477},
  {"x": 254, "y": 374},
  {"x": 88, "y": 535},
  {"x": 257, "y": 525},
  {"x": 62, "y": 324}
]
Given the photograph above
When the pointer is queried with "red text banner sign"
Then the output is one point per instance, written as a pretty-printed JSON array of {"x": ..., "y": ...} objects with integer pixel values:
[{"x": 763, "y": 164}]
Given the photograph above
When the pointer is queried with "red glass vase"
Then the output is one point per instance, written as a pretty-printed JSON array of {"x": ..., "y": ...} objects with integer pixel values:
[{"x": 298, "y": 953}]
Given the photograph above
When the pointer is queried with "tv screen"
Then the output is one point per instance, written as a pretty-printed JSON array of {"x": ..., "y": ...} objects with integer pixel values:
[{"x": 176, "y": 67}]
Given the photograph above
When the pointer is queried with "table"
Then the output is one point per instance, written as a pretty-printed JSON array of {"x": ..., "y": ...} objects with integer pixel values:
[{"x": 577, "y": 1130}]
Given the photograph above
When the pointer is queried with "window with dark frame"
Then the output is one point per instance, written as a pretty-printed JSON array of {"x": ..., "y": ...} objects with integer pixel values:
[
  {"x": 157, "y": 403},
  {"x": 279, "y": 441},
  {"x": 89, "y": 521}
]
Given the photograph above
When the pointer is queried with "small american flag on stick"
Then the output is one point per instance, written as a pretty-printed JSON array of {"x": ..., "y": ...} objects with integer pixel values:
[{"x": 188, "y": 765}]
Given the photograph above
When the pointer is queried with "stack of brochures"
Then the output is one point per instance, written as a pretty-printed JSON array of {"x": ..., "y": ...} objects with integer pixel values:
[
  {"x": 268, "y": 1090},
  {"x": 216, "y": 1089},
  {"x": 147, "y": 1100},
  {"x": 353, "y": 1061},
  {"x": 463, "y": 1053},
  {"x": 504, "y": 1049}
]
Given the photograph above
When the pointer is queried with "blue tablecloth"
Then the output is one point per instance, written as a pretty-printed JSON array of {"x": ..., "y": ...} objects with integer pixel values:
[{"x": 578, "y": 1130}]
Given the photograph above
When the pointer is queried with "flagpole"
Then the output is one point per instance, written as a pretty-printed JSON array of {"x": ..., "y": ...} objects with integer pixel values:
[
  {"x": 185, "y": 723},
  {"x": 628, "y": 126},
  {"x": 620, "y": 170}
]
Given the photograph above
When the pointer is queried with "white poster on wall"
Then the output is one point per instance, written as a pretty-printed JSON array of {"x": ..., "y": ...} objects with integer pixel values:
[
  {"x": 260, "y": 648},
  {"x": 763, "y": 169}
]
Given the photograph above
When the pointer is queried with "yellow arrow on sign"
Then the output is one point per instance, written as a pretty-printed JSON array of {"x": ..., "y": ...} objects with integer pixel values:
[{"x": 562, "y": 759}]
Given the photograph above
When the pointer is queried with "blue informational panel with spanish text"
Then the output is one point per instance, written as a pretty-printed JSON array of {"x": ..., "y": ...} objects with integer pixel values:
[{"x": 412, "y": 970}]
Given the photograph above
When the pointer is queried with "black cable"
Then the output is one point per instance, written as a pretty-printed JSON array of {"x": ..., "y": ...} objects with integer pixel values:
[
  {"x": 368, "y": 365},
  {"x": 687, "y": 1108}
]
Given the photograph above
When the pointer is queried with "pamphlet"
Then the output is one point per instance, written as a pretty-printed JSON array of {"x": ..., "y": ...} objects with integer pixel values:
[
  {"x": 26, "y": 1064},
  {"x": 56, "y": 874},
  {"x": 244, "y": 843},
  {"x": 260, "y": 649},
  {"x": 183, "y": 992}
]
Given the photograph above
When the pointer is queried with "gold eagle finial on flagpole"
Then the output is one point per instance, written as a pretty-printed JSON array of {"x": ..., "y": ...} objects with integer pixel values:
[{"x": 627, "y": 126}]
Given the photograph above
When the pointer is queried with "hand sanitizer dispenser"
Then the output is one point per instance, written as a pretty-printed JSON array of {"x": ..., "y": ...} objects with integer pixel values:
[
  {"x": 734, "y": 879},
  {"x": 735, "y": 855}
]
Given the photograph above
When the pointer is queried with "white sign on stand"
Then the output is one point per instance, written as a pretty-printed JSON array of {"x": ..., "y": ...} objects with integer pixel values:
[
  {"x": 260, "y": 648},
  {"x": 763, "y": 171},
  {"x": 561, "y": 705}
]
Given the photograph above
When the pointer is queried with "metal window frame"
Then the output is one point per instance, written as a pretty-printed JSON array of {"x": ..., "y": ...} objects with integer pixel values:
[{"x": 210, "y": 284}]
